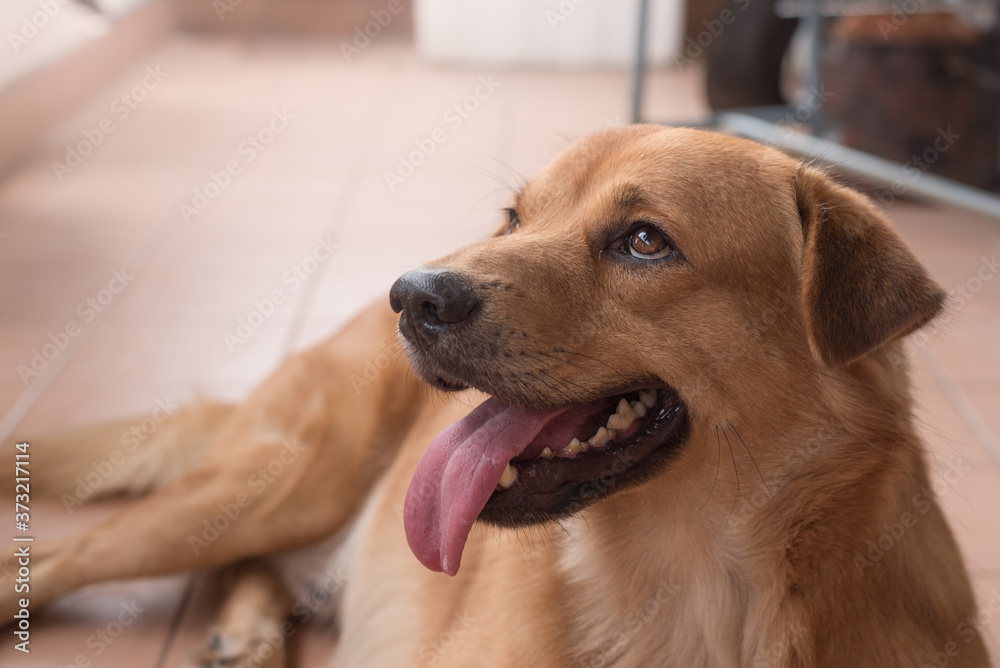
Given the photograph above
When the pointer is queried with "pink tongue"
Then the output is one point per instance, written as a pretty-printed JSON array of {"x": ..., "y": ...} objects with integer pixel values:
[{"x": 457, "y": 475}]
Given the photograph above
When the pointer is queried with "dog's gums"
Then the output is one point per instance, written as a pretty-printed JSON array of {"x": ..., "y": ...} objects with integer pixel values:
[
  {"x": 623, "y": 423},
  {"x": 636, "y": 438}
]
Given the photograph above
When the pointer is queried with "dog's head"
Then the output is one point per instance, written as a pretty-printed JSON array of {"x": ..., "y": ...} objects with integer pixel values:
[{"x": 643, "y": 282}]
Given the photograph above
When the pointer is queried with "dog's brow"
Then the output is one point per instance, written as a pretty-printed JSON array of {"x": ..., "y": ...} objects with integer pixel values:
[{"x": 628, "y": 196}]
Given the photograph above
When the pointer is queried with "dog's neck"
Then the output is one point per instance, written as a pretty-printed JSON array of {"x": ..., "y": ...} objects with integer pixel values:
[{"x": 713, "y": 556}]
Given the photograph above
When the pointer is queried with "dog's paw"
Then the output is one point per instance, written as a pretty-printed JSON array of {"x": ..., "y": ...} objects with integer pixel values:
[{"x": 249, "y": 649}]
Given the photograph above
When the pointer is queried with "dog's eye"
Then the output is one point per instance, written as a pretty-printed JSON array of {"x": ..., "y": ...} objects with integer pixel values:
[
  {"x": 648, "y": 243},
  {"x": 513, "y": 221}
]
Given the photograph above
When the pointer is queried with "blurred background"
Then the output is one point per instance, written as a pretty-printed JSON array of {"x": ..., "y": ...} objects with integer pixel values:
[{"x": 190, "y": 190}]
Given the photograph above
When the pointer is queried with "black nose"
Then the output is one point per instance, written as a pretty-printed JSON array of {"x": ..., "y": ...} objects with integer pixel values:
[{"x": 432, "y": 300}]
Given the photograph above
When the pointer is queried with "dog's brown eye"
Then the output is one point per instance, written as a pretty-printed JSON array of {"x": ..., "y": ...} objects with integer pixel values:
[
  {"x": 648, "y": 243},
  {"x": 513, "y": 221}
]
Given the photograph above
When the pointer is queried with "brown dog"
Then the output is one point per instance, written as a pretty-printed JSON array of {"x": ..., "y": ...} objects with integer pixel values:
[{"x": 671, "y": 326}]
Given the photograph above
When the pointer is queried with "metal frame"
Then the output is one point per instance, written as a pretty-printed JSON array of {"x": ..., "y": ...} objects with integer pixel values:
[{"x": 755, "y": 124}]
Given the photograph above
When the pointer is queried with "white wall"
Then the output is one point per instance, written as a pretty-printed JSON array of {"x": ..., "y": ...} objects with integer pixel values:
[{"x": 559, "y": 32}]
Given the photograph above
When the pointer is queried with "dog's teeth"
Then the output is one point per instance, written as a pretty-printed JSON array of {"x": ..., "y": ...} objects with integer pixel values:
[
  {"x": 546, "y": 453},
  {"x": 639, "y": 409},
  {"x": 508, "y": 478},
  {"x": 601, "y": 437},
  {"x": 626, "y": 411},
  {"x": 618, "y": 422},
  {"x": 574, "y": 447},
  {"x": 648, "y": 398}
]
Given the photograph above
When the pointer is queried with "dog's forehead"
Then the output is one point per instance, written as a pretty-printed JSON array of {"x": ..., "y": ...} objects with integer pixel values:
[
  {"x": 679, "y": 166},
  {"x": 705, "y": 185}
]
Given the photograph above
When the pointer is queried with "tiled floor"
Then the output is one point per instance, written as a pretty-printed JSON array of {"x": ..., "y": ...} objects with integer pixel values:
[{"x": 322, "y": 176}]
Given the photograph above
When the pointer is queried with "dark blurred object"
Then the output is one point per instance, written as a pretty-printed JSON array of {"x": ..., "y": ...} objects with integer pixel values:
[
  {"x": 744, "y": 42},
  {"x": 924, "y": 92}
]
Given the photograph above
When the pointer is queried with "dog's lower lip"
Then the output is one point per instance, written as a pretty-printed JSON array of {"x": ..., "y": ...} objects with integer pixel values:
[{"x": 435, "y": 377}]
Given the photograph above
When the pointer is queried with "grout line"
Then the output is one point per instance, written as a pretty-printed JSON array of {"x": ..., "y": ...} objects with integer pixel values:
[
  {"x": 962, "y": 405},
  {"x": 138, "y": 258},
  {"x": 345, "y": 202},
  {"x": 194, "y": 582},
  {"x": 144, "y": 250}
]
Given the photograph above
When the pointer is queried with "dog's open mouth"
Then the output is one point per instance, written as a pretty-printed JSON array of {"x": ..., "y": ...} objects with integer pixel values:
[{"x": 516, "y": 466}]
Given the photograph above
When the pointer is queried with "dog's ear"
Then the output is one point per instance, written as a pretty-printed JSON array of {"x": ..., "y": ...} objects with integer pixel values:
[{"x": 861, "y": 285}]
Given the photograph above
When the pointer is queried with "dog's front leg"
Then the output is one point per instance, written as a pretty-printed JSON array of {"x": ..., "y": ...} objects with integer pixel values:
[{"x": 291, "y": 466}]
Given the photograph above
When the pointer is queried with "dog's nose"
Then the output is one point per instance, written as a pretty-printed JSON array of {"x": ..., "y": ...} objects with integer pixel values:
[{"x": 433, "y": 300}]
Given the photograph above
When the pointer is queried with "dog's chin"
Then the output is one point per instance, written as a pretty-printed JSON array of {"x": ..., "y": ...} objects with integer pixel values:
[{"x": 591, "y": 464}]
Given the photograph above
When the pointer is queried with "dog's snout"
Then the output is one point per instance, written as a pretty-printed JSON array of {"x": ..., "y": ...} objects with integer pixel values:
[{"x": 433, "y": 300}]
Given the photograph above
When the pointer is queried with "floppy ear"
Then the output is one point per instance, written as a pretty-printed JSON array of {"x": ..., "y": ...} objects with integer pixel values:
[{"x": 861, "y": 285}]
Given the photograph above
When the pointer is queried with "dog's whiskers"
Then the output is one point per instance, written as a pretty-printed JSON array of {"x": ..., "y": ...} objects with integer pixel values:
[
  {"x": 736, "y": 470},
  {"x": 618, "y": 373},
  {"x": 718, "y": 465},
  {"x": 483, "y": 199},
  {"x": 519, "y": 178},
  {"x": 768, "y": 489},
  {"x": 560, "y": 359},
  {"x": 569, "y": 536},
  {"x": 547, "y": 384},
  {"x": 564, "y": 381}
]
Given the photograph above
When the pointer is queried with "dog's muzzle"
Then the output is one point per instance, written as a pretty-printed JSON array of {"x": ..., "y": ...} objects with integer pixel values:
[{"x": 432, "y": 302}]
